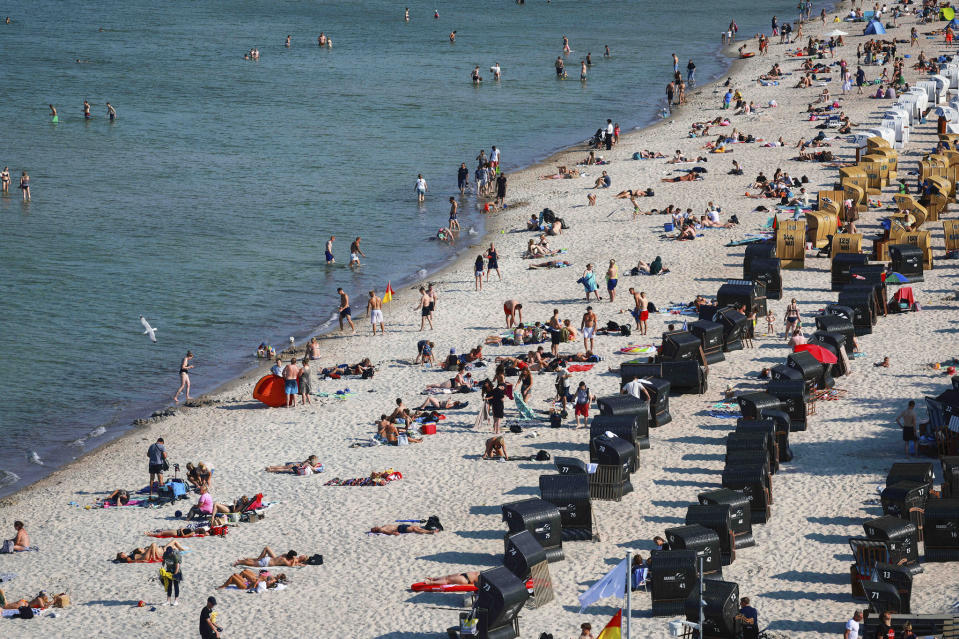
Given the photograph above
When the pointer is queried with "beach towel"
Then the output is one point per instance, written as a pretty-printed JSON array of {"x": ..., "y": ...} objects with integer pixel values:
[
  {"x": 375, "y": 479},
  {"x": 15, "y": 613},
  {"x": 7, "y": 576},
  {"x": 644, "y": 349},
  {"x": 579, "y": 368}
]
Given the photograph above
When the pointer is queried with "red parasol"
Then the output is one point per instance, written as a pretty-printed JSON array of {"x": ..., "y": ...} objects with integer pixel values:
[{"x": 821, "y": 354}]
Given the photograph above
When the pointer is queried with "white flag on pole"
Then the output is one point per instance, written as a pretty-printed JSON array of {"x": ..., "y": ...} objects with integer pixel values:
[{"x": 612, "y": 585}]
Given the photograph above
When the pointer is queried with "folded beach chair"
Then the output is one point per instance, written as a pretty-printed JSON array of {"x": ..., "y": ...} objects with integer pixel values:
[{"x": 248, "y": 512}]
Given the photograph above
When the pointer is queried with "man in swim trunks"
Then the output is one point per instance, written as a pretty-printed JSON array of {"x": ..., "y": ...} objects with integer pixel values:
[
  {"x": 640, "y": 312},
  {"x": 458, "y": 579},
  {"x": 555, "y": 332},
  {"x": 269, "y": 558},
  {"x": 454, "y": 223},
  {"x": 290, "y": 374},
  {"x": 111, "y": 112},
  {"x": 329, "y": 252},
  {"x": 560, "y": 67},
  {"x": 355, "y": 252},
  {"x": 425, "y": 308},
  {"x": 588, "y": 326},
  {"x": 374, "y": 309},
  {"x": 401, "y": 529},
  {"x": 86, "y": 110},
  {"x": 514, "y": 312},
  {"x": 344, "y": 310}
]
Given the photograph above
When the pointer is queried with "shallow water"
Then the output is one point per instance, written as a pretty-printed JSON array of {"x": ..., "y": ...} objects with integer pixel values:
[{"x": 206, "y": 205}]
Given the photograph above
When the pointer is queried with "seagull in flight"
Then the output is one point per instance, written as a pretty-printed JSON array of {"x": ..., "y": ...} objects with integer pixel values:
[{"x": 148, "y": 330}]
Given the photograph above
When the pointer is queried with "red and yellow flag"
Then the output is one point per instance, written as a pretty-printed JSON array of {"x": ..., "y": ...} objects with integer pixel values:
[
  {"x": 613, "y": 629},
  {"x": 388, "y": 295}
]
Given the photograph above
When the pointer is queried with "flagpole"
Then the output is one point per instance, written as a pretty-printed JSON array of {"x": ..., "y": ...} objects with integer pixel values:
[{"x": 629, "y": 590}]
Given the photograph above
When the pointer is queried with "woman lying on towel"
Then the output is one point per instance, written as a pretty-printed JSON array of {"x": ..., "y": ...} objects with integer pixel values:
[
  {"x": 458, "y": 579},
  {"x": 150, "y": 555},
  {"x": 40, "y": 601},
  {"x": 294, "y": 467},
  {"x": 551, "y": 264},
  {"x": 269, "y": 558},
  {"x": 247, "y": 579},
  {"x": 686, "y": 177},
  {"x": 431, "y": 402},
  {"x": 196, "y": 530}
]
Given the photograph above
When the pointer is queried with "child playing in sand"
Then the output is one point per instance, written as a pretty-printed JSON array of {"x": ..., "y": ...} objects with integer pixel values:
[{"x": 770, "y": 323}]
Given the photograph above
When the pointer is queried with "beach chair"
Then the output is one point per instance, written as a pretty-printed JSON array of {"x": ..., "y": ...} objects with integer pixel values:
[
  {"x": 866, "y": 553},
  {"x": 248, "y": 512},
  {"x": 608, "y": 483}
]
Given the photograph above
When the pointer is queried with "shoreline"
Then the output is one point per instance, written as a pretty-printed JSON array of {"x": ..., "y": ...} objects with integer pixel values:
[{"x": 413, "y": 281}]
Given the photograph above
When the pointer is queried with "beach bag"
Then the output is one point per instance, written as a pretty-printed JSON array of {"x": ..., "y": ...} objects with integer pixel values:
[
  {"x": 542, "y": 455},
  {"x": 555, "y": 421},
  {"x": 219, "y": 531},
  {"x": 315, "y": 560},
  {"x": 61, "y": 601},
  {"x": 433, "y": 523},
  {"x": 367, "y": 374},
  {"x": 25, "y": 612},
  {"x": 515, "y": 428},
  {"x": 402, "y": 440},
  {"x": 509, "y": 391},
  {"x": 625, "y": 330},
  {"x": 7, "y": 546}
]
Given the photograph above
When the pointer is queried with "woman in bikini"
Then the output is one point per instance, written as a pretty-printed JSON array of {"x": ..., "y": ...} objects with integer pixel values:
[
  {"x": 247, "y": 579},
  {"x": 150, "y": 554},
  {"x": 311, "y": 461},
  {"x": 185, "y": 367},
  {"x": 458, "y": 579},
  {"x": 269, "y": 558}
]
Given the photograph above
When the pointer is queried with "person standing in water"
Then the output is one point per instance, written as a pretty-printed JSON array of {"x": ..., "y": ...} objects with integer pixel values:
[
  {"x": 287, "y": 42},
  {"x": 496, "y": 71},
  {"x": 566, "y": 48},
  {"x": 5, "y": 180},
  {"x": 475, "y": 75},
  {"x": 25, "y": 185},
  {"x": 321, "y": 40},
  {"x": 355, "y": 252},
  {"x": 111, "y": 112},
  {"x": 589, "y": 59},
  {"x": 582, "y": 70},
  {"x": 374, "y": 309},
  {"x": 185, "y": 367},
  {"x": 421, "y": 187},
  {"x": 406, "y": 14},
  {"x": 454, "y": 223},
  {"x": 86, "y": 110},
  {"x": 344, "y": 310},
  {"x": 53, "y": 114},
  {"x": 560, "y": 67},
  {"x": 329, "y": 251},
  {"x": 452, "y": 37},
  {"x": 606, "y": 52}
]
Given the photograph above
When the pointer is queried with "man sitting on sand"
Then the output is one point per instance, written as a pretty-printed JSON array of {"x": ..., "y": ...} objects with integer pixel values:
[
  {"x": 269, "y": 558},
  {"x": 457, "y": 579},
  {"x": 20, "y": 541},
  {"x": 401, "y": 529},
  {"x": 603, "y": 181}
]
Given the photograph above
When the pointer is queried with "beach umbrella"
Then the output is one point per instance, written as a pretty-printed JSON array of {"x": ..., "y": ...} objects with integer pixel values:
[
  {"x": 821, "y": 354},
  {"x": 896, "y": 278},
  {"x": 835, "y": 33}
]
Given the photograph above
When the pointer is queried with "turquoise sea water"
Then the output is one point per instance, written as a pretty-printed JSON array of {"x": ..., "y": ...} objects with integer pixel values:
[{"x": 206, "y": 205}]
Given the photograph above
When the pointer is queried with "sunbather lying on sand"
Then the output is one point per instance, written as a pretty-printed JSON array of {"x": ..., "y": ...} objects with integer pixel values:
[
  {"x": 551, "y": 264},
  {"x": 246, "y": 579},
  {"x": 447, "y": 403},
  {"x": 291, "y": 467},
  {"x": 686, "y": 177},
  {"x": 41, "y": 601},
  {"x": 269, "y": 558},
  {"x": 401, "y": 529},
  {"x": 457, "y": 579},
  {"x": 563, "y": 174},
  {"x": 630, "y": 193},
  {"x": 193, "y": 530},
  {"x": 151, "y": 554}
]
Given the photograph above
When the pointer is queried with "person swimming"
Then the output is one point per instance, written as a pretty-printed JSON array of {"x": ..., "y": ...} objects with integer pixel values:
[{"x": 53, "y": 114}]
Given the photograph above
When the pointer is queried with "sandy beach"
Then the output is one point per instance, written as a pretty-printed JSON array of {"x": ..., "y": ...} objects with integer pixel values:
[{"x": 798, "y": 573}]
